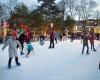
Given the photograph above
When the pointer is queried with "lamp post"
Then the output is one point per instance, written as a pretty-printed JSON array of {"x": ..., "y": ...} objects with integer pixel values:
[
  {"x": 95, "y": 24},
  {"x": 51, "y": 25},
  {"x": 76, "y": 29}
]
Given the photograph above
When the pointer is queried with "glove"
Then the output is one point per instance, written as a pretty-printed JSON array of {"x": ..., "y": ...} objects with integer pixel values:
[{"x": 2, "y": 48}]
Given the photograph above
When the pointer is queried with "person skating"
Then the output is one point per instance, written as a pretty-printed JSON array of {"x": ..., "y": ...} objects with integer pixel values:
[
  {"x": 85, "y": 43},
  {"x": 91, "y": 39},
  {"x": 21, "y": 39},
  {"x": 28, "y": 35},
  {"x": 42, "y": 38},
  {"x": 99, "y": 65},
  {"x": 55, "y": 36},
  {"x": 12, "y": 42},
  {"x": 72, "y": 37},
  {"x": 51, "y": 39},
  {"x": 29, "y": 48},
  {"x": 60, "y": 36}
]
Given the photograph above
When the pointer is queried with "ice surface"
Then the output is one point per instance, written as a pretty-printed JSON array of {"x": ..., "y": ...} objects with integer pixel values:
[{"x": 64, "y": 62}]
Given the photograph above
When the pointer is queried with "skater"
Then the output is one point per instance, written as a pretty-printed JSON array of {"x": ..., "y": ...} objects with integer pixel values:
[
  {"x": 91, "y": 39},
  {"x": 64, "y": 36},
  {"x": 28, "y": 35},
  {"x": 60, "y": 36},
  {"x": 85, "y": 43},
  {"x": 99, "y": 65},
  {"x": 42, "y": 38},
  {"x": 21, "y": 39},
  {"x": 29, "y": 48},
  {"x": 55, "y": 36},
  {"x": 51, "y": 39},
  {"x": 72, "y": 37},
  {"x": 12, "y": 42}
]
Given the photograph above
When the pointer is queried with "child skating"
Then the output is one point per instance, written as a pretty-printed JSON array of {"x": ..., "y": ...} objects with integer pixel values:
[
  {"x": 12, "y": 42},
  {"x": 29, "y": 48}
]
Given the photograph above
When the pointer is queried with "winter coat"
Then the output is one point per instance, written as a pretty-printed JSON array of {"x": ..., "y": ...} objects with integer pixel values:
[
  {"x": 28, "y": 36},
  {"x": 30, "y": 47},
  {"x": 91, "y": 38},
  {"x": 85, "y": 39},
  {"x": 21, "y": 38},
  {"x": 52, "y": 35},
  {"x": 12, "y": 46}
]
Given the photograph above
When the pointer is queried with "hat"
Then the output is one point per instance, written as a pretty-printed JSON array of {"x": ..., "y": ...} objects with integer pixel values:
[{"x": 14, "y": 34}]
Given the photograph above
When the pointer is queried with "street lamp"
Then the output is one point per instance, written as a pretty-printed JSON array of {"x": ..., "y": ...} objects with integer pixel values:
[
  {"x": 95, "y": 24},
  {"x": 51, "y": 25},
  {"x": 76, "y": 29}
]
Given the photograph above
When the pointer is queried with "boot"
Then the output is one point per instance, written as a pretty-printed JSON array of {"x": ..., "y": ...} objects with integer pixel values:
[
  {"x": 82, "y": 52},
  {"x": 9, "y": 62},
  {"x": 94, "y": 50},
  {"x": 17, "y": 63},
  {"x": 87, "y": 52},
  {"x": 21, "y": 53}
]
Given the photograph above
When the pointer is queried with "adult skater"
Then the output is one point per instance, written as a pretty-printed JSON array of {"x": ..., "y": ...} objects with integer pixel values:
[
  {"x": 91, "y": 39},
  {"x": 21, "y": 39},
  {"x": 85, "y": 43},
  {"x": 28, "y": 35},
  {"x": 12, "y": 42},
  {"x": 55, "y": 36},
  {"x": 51, "y": 39},
  {"x": 72, "y": 37},
  {"x": 42, "y": 38}
]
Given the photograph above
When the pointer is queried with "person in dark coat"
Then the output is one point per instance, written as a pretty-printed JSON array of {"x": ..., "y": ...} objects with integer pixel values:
[
  {"x": 21, "y": 39},
  {"x": 42, "y": 38},
  {"x": 60, "y": 36},
  {"x": 72, "y": 37},
  {"x": 99, "y": 65},
  {"x": 85, "y": 43}
]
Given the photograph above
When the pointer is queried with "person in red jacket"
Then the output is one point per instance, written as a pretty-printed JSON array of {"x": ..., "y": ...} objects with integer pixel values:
[
  {"x": 52, "y": 37},
  {"x": 28, "y": 35},
  {"x": 91, "y": 39}
]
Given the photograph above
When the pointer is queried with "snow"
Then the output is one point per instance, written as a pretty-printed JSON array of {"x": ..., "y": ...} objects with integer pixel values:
[{"x": 64, "y": 62}]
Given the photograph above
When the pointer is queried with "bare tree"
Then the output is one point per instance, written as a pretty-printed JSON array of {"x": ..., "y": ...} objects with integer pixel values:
[
  {"x": 68, "y": 7},
  {"x": 10, "y": 5},
  {"x": 85, "y": 9},
  {"x": 3, "y": 14},
  {"x": 2, "y": 10}
]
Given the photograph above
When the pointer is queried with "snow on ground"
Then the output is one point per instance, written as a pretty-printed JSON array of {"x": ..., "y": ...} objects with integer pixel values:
[{"x": 64, "y": 62}]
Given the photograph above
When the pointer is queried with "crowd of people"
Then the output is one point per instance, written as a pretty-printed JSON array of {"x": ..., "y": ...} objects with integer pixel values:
[{"x": 16, "y": 40}]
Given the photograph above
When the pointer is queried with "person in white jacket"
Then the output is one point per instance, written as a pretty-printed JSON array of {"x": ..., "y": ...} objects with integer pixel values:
[{"x": 12, "y": 42}]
